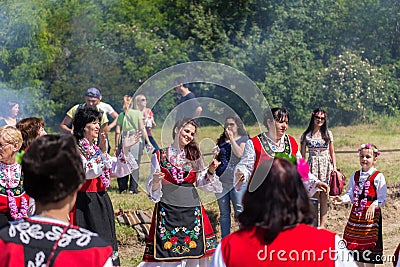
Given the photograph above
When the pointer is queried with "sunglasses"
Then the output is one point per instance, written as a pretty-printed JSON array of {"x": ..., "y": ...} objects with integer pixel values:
[
  {"x": 144, "y": 99},
  {"x": 319, "y": 118}
]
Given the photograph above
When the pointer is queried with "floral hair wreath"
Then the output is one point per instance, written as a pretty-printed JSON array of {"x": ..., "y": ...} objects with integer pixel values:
[
  {"x": 302, "y": 166},
  {"x": 369, "y": 146}
]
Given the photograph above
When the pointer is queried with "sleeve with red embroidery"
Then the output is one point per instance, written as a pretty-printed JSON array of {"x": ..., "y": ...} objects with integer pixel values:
[{"x": 119, "y": 167}]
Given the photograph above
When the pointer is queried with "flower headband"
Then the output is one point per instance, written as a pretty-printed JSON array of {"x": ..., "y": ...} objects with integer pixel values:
[
  {"x": 369, "y": 146},
  {"x": 302, "y": 166}
]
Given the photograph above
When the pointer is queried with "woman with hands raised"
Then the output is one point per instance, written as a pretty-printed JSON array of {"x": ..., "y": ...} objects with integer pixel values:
[
  {"x": 93, "y": 209},
  {"x": 180, "y": 233}
]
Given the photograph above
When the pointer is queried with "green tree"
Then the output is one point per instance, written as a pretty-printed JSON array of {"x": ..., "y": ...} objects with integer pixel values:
[{"x": 354, "y": 89}]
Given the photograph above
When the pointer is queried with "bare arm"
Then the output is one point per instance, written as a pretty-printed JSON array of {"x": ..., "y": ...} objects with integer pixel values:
[
  {"x": 333, "y": 155},
  {"x": 103, "y": 128},
  {"x": 303, "y": 149},
  {"x": 198, "y": 111},
  {"x": 117, "y": 135},
  {"x": 236, "y": 149},
  {"x": 144, "y": 132},
  {"x": 64, "y": 126},
  {"x": 114, "y": 115}
]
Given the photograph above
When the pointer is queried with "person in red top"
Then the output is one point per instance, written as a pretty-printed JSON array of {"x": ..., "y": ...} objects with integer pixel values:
[
  {"x": 93, "y": 209},
  {"x": 275, "y": 228},
  {"x": 265, "y": 145},
  {"x": 180, "y": 233},
  {"x": 367, "y": 192},
  {"x": 53, "y": 175},
  {"x": 14, "y": 202}
]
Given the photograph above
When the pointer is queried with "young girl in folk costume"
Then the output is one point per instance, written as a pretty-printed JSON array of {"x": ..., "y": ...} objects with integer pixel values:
[
  {"x": 321, "y": 159},
  {"x": 367, "y": 192},
  {"x": 14, "y": 203},
  {"x": 94, "y": 210},
  {"x": 180, "y": 233}
]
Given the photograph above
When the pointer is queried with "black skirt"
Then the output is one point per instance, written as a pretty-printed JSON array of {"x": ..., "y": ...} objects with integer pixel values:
[{"x": 94, "y": 211}]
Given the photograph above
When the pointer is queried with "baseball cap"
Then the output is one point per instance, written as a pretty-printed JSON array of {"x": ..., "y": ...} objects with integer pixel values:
[{"x": 93, "y": 92}]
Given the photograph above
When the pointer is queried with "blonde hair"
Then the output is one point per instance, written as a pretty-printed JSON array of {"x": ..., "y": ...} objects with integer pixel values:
[
  {"x": 137, "y": 101},
  {"x": 127, "y": 103},
  {"x": 11, "y": 135}
]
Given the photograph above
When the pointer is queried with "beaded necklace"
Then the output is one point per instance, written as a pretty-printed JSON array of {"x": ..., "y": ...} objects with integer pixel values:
[
  {"x": 360, "y": 205},
  {"x": 177, "y": 160},
  {"x": 89, "y": 151},
  {"x": 10, "y": 181}
]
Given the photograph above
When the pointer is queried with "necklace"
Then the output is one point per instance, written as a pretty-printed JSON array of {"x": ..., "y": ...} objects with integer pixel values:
[
  {"x": 177, "y": 159},
  {"x": 10, "y": 180},
  {"x": 89, "y": 151},
  {"x": 360, "y": 205}
]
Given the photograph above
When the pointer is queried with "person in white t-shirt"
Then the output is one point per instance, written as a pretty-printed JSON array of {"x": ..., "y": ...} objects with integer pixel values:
[{"x": 109, "y": 110}]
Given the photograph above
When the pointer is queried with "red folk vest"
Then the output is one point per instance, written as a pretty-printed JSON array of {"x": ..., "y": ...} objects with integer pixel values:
[
  {"x": 264, "y": 152},
  {"x": 302, "y": 245}
]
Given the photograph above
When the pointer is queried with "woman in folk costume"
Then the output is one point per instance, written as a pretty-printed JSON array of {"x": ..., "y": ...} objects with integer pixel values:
[
  {"x": 180, "y": 234},
  {"x": 265, "y": 145},
  {"x": 275, "y": 228},
  {"x": 53, "y": 175},
  {"x": 367, "y": 192},
  {"x": 94, "y": 210},
  {"x": 15, "y": 204}
]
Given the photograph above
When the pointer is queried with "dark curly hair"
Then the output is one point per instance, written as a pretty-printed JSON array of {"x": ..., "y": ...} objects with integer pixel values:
[
  {"x": 29, "y": 128},
  {"x": 52, "y": 168},
  {"x": 280, "y": 200},
  {"x": 83, "y": 117}
]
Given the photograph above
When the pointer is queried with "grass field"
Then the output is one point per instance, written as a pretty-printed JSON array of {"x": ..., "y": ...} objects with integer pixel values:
[{"x": 385, "y": 135}]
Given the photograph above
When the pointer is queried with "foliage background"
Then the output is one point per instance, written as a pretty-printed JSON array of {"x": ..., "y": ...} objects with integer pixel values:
[{"x": 341, "y": 55}]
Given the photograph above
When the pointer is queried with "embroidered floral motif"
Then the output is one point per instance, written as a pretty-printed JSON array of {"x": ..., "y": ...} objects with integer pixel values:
[
  {"x": 269, "y": 146},
  {"x": 172, "y": 241},
  {"x": 88, "y": 151},
  {"x": 11, "y": 178},
  {"x": 39, "y": 260},
  {"x": 177, "y": 166},
  {"x": 28, "y": 231},
  {"x": 11, "y": 185}
]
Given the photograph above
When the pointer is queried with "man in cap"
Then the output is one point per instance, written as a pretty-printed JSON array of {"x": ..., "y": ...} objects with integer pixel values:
[{"x": 92, "y": 97}]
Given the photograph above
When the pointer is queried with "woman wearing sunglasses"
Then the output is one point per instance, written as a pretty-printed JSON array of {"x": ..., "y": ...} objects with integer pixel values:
[
  {"x": 321, "y": 155},
  {"x": 230, "y": 150}
]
